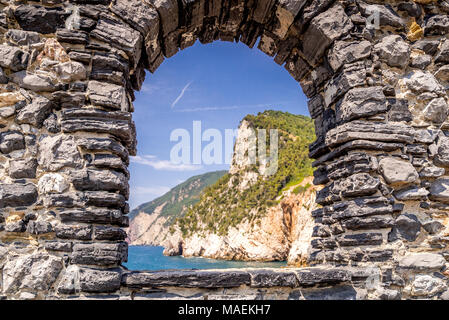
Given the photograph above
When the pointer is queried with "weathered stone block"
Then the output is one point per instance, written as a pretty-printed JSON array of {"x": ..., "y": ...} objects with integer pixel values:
[
  {"x": 104, "y": 199},
  {"x": 423, "y": 81},
  {"x": 436, "y": 111},
  {"x": 51, "y": 124},
  {"x": 324, "y": 243},
  {"x": 361, "y": 102},
  {"x": 3, "y": 80},
  {"x": 398, "y": 110},
  {"x": 75, "y": 232},
  {"x": 72, "y": 36},
  {"x": 58, "y": 246},
  {"x": 100, "y": 180},
  {"x": 109, "y": 68},
  {"x": 15, "y": 226},
  {"x": 108, "y": 95},
  {"x": 22, "y": 38},
  {"x": 286, "y": 12},
  {"x": 416, "y": 149},
  {"x": 441, "y": 151},
  {"x": 357, "y": 130},
  {"x": 371, "y": 222},
  {"x": 345, "y": 52},
  {"x": 387, "y": 15},
  {"x": 100, "y": 216},
  {"x": 37, "y": 271},
  {"x": 68, "y": 99},
  {"x": 57, "y": 152},
  {"x": 99, "y": 253},
  {"x": 407, "y": 227},
  {"x": 443, "y": 53},
  {"x": 432, "y": 226},
  {"x": 421, "y": 61},
  {"x": 297, "y": 67},
  {"x": 267, "y": 279},
  {"x": 361, "y": 239},
  {"x": 104, "y": 144},
  {"x": 35, "y": 112},
  {"x": 139, "y": 15},
  {"x": 186, "y": 279},
  {"x": 13, "y": 58},
  {"x": 39, "y": 227},
  {"x": 119, "y": 35},
  {"x": 52, "y": 183},
  {"x": 70, "y": 71},
  {"x": 361, "y": 207},
  {"x": 442, "y": 73},
  {"x": 11, "y": 141},
  {"x": 411, "y": 193},
  {"x": 427, "y": 285},
  {"x": 323, "y": 30},
  {"x": 22, "y": 169},
  {"x": 17, "y": 195},
  {"x": 429, "y": 46},
  {"x": 426, "y": 136},
  {"x": 168, "y": 12},
  {"x": 422, "y": 261},
  {"x": 332, "y": 293},
  {"x": 109, "y": 233},
  {"x": 34, "y": 82},
  {"x": 77, "y": 279},
  {"x": 40, "y": 19},
  {"x": 413, "y": 9},
  {"x": 351, "y": 164},
  {"x": 320, "y": 276},
  {"x": 262, "y": 10},
  {"x": 394, "y": 51},
  {"x": 436, "y": 25},
  {"x": 359, "y": 184},
  {"x": 439, "y": 190},
  {"x": 116, "y": 123},
  {"x": 395, "y": 170},
  {"x": 352, "y": 75}
]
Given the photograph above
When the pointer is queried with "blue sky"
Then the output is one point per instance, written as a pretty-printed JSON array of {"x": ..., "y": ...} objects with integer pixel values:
[{"x": 217, "y": 84}]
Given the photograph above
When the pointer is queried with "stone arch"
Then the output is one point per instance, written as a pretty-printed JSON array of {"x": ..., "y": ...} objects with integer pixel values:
[{"x": 376, "y": 76}]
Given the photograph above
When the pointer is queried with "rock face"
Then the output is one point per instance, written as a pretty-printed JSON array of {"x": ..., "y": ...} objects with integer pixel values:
[
  {"x": 397, "y": 171},
  {"x": 34, "y": 272},
  {"x": 283, "y": 234},
  {"x": 68, "y": 70},
  {"x": 56, "y": 152},
  {"x": 35, "y": 112},
  {"x": 149, "y": 230},
  {"x": 394, "y": 51},
  {"x": 13, "y": 58}
]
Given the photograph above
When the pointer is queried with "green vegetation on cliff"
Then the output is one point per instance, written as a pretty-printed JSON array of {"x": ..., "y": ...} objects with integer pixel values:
[
  {"x": 177, "y": 200},
  {"x": 223, "y": 205}
]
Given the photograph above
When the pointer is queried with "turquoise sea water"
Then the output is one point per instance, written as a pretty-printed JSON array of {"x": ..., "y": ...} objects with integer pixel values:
[{"x": 151, "y": 258}]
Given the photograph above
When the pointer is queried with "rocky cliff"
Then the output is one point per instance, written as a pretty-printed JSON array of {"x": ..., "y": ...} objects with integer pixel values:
[
  {"x": 283, "y": 233},
  {"x": 248, "y": 215},
  {"x": 150, "y": 222}
]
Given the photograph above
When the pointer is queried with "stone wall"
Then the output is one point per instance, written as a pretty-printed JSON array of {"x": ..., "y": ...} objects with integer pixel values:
[{"x": 376, "y": 74}]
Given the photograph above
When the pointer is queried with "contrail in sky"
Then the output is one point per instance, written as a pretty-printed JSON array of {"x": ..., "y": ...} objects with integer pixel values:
[{"x": 181, "y": 94}]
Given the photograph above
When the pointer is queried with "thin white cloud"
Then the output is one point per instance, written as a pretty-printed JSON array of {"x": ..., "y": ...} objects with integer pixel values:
[
  {"x": 150, "y": 191},
  {"x": 201, "y": 109},
  {"x": 149, "y": 88},
  {"x": 163, "y": 165},
  {"x": 208, "y": 109},
  {"x": 181, "y": 94}
]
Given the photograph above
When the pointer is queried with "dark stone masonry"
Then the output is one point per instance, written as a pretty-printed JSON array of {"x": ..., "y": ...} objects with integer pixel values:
[{"x": 377, "y": 77}]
